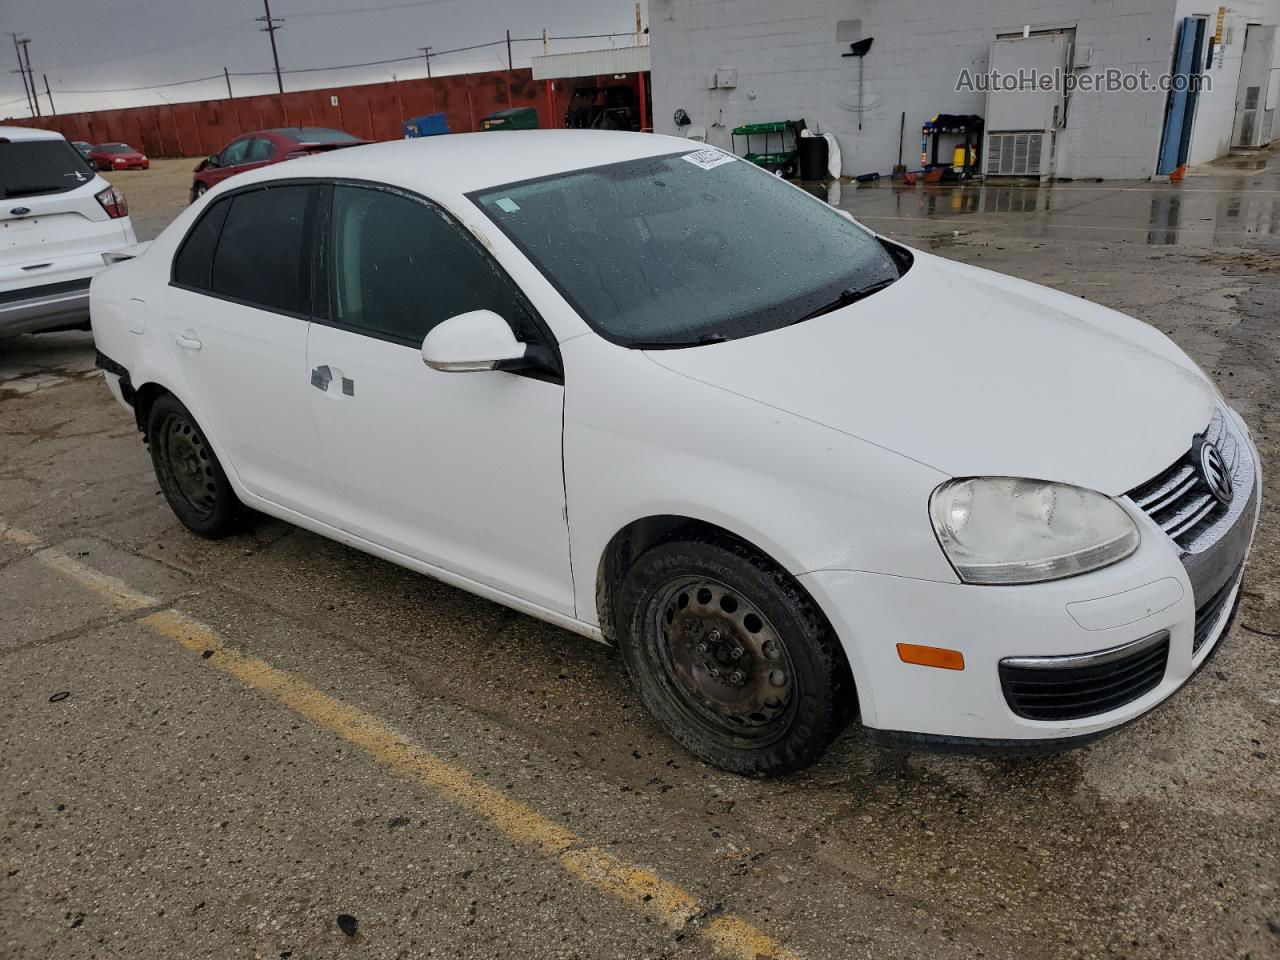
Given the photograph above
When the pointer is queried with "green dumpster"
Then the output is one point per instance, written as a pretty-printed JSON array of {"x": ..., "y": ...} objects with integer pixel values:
[{"x": 517, "y": 118}]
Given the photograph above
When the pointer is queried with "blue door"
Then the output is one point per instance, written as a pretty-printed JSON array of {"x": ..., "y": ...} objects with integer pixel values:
[{"x": 1180, "y": 111}]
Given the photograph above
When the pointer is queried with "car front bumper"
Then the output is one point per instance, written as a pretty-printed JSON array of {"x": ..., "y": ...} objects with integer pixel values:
[{"x": 1150, "y": 594}]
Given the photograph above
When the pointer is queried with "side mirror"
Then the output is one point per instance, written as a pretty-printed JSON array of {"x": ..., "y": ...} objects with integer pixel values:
[
  {"x": 478, "y": 340},
  {"x": 212, "y": 161}
]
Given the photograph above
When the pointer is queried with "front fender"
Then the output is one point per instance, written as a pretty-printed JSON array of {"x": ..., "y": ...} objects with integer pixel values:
[{"x": 642, "y": 441}]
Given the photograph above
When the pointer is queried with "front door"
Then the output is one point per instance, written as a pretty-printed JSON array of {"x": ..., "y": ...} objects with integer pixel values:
[
  {"x": 236, "y": 318},
  {"x": 459, "y": 470}
]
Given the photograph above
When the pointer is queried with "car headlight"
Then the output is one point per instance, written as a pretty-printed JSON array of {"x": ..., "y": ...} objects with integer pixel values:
[{"x": 1005, "y": 530}]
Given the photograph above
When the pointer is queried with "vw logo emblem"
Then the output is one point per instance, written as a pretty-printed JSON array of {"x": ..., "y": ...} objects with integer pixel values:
[{"x": 1213, "y": 469}]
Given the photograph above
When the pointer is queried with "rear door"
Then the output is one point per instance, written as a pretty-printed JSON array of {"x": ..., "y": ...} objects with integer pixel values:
[
  {"x": 52, "y": 228},
  {"x": 236, "y": 314}
]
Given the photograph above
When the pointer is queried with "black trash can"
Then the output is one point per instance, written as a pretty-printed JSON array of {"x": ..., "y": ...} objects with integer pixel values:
[{"x": 813, "y": 158}]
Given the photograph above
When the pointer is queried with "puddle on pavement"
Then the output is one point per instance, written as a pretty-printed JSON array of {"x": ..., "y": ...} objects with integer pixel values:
[{"x": 1224, "y": 204}]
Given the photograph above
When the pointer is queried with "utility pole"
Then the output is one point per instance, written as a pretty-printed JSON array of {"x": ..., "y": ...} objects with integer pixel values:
[
  {"x": 272, "y": 25},
  {"x": 52, "y": 111},
  {"x": 227, "y": 76},
  {"x": 426, "y": 52},
  {"x": 31, "y": 77},
  {"x": 509, "y": 65},
  {"x": 23, "y": 73}
]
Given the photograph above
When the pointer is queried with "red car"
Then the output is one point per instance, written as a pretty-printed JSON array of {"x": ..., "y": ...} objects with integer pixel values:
[
  {"x": 117, "y": 156},
  {"x": 253, "y": 150}
]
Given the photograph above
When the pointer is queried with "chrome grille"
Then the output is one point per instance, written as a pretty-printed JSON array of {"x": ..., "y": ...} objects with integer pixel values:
[{"x": 1178, "y": 499}]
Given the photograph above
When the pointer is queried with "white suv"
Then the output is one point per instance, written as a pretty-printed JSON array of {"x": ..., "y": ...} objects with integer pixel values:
[{"x": 57, "y": 220}]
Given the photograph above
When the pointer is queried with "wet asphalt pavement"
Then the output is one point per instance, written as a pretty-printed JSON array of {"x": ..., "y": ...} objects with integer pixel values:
[{"x": 275, "y": 746}]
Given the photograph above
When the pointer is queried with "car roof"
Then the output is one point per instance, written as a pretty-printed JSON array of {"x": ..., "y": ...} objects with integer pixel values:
[
  {"x": 29, "y": 133},
  {"x": 454, "y": 164}
]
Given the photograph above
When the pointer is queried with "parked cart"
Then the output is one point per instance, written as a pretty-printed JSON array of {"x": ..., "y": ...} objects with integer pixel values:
[
  {"x": 965, "y": 157},
  {"x": 778, "y": 152}
]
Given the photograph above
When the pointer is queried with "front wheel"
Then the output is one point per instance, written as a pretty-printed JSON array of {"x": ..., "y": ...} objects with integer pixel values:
[
  {"x": 198, "y": 191},
  {"x": 189, "y": 473},
  {"x": 732, "y": 659}
]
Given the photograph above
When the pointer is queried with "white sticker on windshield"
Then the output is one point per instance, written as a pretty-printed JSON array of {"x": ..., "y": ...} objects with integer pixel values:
[
  {"x": 507, "y": 205},
  {"x": 706, "y": 159}
]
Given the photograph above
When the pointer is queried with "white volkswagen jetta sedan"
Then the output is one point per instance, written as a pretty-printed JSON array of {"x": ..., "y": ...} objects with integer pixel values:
[{"x": 796, "y": 471}]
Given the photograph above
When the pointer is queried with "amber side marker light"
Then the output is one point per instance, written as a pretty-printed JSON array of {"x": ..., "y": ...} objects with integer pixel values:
[{"x": 931, "y": 656}]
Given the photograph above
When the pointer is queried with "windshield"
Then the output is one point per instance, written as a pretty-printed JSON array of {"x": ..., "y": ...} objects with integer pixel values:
[
  {"x": 114, "y": 148},
  {"x": 686, "y": 248},
  {"x": 30, "y": 167}
]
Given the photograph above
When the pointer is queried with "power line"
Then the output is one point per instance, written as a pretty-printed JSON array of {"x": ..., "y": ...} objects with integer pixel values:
[
  {"x": 434, "y": 54},
  {"x": 150, "y": 86}
]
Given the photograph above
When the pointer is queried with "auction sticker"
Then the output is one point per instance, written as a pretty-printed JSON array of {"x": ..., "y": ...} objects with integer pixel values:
[{"x": 707, "y": 159}]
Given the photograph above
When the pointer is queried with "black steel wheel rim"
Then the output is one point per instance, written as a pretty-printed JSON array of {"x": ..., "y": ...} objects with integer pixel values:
[
  {"x": 722, "y": 663},
  {"x": 188, "y": 465}
]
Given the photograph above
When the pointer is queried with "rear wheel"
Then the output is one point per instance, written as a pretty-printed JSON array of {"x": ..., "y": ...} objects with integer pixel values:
[
  {"x": 731, "y": 658},
  {"x": 189, "y": 473}
]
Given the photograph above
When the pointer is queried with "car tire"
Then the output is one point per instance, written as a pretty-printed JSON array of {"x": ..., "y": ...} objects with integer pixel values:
[
  {"x": 733, "y": 660},
  {"x": 189, "y": 473},
  {"x": 198, "y": 191}
]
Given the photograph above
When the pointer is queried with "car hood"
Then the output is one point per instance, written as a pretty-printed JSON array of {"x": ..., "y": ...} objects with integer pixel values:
[{"x": 977, "y": 374}]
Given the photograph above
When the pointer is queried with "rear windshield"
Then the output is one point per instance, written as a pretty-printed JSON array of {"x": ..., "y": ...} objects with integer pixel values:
[
  {"x": 30, "y": 167},
  {"x": 318, "y": 135},
  {"x": 114, "y": 148}
]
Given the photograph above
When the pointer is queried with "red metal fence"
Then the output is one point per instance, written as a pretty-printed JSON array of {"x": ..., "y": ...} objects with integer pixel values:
[{"x": 374, "y": 111}]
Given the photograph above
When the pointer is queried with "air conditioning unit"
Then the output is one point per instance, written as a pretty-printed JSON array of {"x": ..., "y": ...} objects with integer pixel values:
[
  {"x": 1021, "y": 123},
  {"x": 1016, "y": 154}
]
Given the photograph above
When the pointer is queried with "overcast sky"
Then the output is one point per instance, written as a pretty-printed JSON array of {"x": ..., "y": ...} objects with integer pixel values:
[{"x": 113, "y": 44}]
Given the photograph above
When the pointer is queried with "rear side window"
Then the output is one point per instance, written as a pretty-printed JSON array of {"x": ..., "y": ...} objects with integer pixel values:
[
  {"x": 263, "y": 256},
  {"x": 259, "y": 150},
  {"x": 31, "y": 167},
  {"x": 194, "y": 261},
  {"x": 234, "y": 154}
]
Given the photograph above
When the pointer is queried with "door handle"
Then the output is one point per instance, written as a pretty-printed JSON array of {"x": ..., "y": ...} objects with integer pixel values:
[{"x": 187, "y": 340}]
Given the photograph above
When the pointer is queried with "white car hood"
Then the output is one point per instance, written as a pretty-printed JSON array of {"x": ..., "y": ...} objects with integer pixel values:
[{"x": 974, "y": 373}]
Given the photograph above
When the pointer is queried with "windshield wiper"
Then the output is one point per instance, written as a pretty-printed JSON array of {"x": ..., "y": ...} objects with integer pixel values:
[
  {"x": 677, "y": 344},
  {"x": 29, "y": 189},
  {"x": 846, "y": 297}
]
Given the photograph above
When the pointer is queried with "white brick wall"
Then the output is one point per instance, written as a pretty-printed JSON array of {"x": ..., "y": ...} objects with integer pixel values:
[{"x": 789, "y": 66}]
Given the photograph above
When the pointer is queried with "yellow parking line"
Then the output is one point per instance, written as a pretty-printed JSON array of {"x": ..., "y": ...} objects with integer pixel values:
[{"x": 640, "y": 888}]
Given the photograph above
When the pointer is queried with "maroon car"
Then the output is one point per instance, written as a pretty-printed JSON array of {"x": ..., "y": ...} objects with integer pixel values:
[
  {"x": 117, "y": 156},
  {"x": 253, "y": 150}
]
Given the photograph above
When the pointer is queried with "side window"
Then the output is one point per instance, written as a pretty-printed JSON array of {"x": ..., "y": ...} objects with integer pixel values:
[
  {"x": 398, "y": 267},
  {"x": 195, "y": 257},
  {"x": 234, "y": 154},
  {"x": 259, "y": 150},
  {"x": 264, "y": 252}
]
